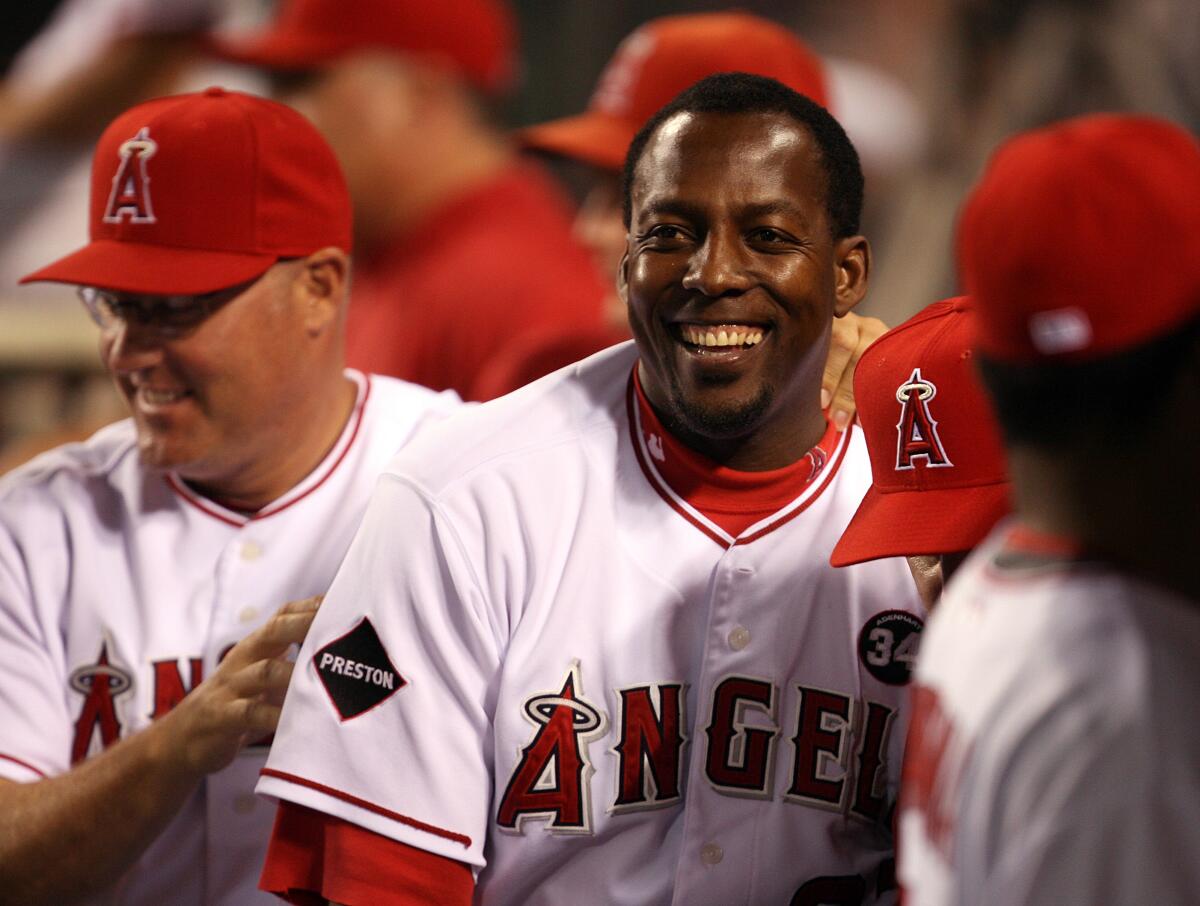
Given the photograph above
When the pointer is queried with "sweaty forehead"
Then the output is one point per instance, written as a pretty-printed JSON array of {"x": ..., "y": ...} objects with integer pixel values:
[{"x": 757, "y": 156}]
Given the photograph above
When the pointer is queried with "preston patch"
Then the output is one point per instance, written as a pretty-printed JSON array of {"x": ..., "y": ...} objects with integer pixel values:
[{"x": 356, "y": 671}]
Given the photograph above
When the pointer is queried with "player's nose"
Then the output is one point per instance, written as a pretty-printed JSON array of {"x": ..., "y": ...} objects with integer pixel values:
[
  {"x": 718, "y": 266},
  {"x": 130, "y": 346}
]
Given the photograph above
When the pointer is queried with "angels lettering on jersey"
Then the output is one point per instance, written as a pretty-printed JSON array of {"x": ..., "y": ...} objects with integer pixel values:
[
  {"x": 832, "y": 747},
  {"x": 106, "y": 691}
]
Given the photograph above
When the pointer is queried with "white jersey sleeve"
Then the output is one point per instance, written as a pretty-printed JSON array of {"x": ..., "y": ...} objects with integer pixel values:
[
  {"x": 1051, "y": 759},
  {"x": 430, "y": 639},
  {"x": 31, "y": 687}
]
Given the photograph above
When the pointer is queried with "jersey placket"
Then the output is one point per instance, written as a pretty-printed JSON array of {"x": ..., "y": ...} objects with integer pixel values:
[
  {"x": 735, "y": 738},
  {"x": 233, "y": 812}
]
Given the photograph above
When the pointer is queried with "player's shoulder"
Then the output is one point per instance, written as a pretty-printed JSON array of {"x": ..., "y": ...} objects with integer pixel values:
[
  {"x": 402, "y": 404},
  {"x": 72, "y": 467},
  {"x": 546, "y": 424}
]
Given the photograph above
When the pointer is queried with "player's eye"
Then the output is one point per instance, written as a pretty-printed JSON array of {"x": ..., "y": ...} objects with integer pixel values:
[
  {"x": 663, "y": 234},
  {"x": 769, "y": 235}
]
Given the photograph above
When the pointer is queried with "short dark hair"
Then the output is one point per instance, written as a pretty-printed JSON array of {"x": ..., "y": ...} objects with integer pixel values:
[
  {"x": 740, "y": 92},
  {"x": 1055, "y": 406}
]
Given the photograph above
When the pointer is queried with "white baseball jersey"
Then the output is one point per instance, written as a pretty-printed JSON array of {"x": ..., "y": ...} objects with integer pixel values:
[
  {"x": 539, "y": 660},
  {"x": 120, "y": 589},
  {"x": 1054, "y": 755}
]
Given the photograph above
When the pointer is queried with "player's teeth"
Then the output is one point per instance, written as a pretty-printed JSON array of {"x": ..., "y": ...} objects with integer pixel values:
[
  {"x": 698, "y": 336},
  {"x": 160, "y": 397}
]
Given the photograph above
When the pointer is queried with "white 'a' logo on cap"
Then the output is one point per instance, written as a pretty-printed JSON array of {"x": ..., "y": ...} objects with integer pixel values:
[
  {"x": 917, "y": 429},
  {"x": 131, "y": 186}
]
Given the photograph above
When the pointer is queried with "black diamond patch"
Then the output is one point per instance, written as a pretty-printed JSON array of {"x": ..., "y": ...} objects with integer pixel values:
[{"x": 356, "y": 671}]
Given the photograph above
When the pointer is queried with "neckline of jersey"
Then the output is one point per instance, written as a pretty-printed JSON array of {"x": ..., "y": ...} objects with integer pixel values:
[
  {"x": 305, "y": 486},
  {"x": 728, "y": 505}
]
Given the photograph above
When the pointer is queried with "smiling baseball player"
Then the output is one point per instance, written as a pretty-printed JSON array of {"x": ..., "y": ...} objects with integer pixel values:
[
  {"x": 140, "y": 666},
  {"x": 613, "y": 665}
]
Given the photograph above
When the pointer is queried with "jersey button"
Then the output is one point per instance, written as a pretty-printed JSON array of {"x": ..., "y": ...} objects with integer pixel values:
[
  {"x": 251, "y": 551},
  {"x": 711, "y": 854},
  {"x": 739, "y": 638},
  {"x": 248, "y": 614}
]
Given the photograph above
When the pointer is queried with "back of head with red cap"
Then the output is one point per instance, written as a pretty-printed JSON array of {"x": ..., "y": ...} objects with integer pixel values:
[{"x": 1082, "y": 239}]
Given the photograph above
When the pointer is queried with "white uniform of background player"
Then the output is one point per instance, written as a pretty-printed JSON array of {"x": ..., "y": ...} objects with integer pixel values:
[
  {"x": 1054, "y": 755},
  {"x": 1088, "y": 791},
  {"x": 121, "y": 588}
]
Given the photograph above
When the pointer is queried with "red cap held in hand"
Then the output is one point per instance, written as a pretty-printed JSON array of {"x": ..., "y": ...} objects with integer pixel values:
[
  {"x": 659, "y": 60},
  {"x": 938, "y": 479},
  {"x": 198, "y": 192},
  {"x": 1082, "y": 239},
  {"x": 475, "y": 38}
]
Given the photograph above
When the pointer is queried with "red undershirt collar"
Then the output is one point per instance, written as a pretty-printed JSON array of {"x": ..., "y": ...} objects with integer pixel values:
[{"x": 733, "y": 499}]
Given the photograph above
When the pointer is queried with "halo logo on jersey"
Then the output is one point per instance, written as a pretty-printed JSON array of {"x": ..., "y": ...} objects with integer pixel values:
[
  {"x": 888, "y": 646},
  {"x": 356, "y": 671},
  {"x": 130, "y": 193},
  {"x": 99, "y": 683},
  {"x": 552, "y": 779},
  {"x": 917, "y": 429}
]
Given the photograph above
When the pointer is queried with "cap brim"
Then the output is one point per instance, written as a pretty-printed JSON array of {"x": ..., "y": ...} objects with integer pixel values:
[
  {"x": 908, "y": 523},
  {"x": 593, "y": 138},
  {"x": 278, "y": 50},
  {"x": 133, "y": 267}
]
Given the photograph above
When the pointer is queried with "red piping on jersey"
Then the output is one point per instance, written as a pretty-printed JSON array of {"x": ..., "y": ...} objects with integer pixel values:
[
  {"x": 652, "y": 480},
  {"x": 200, "y": 504},
  {"x": 813, "y": 493},
  {"x": 369, "y": 806},
  {"x": 24, "y": 764},
  {"x": 785, "y": 514}
]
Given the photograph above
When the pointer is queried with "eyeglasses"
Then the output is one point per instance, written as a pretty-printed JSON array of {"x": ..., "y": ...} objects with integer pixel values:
[{"x": 165, "y": 315}]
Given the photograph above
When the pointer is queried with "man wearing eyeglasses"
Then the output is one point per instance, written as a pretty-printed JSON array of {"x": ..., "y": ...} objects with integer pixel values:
[{"x": 142, "y": 658}]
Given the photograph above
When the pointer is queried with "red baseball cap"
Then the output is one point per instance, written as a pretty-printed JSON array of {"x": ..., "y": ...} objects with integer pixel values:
[
  {"x": 1082, "y": 239},
  {"x": 659, "y": 60},
  {"x": 938, "y": 478},
  {"x": 197, "y": 192},
  {"x": 475, "y": 38}
]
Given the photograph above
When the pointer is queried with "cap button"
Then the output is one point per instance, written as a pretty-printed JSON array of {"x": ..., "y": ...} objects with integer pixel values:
[{"x": 216, "y": 91}]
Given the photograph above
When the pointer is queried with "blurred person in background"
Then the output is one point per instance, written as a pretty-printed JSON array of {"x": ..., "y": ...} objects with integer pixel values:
[
  {"x": 1052, "y": 756},
  {"x": 464, "y": 247},
  {"x": 651, "y": 66},
  {"x": 1000, "y": 66}
]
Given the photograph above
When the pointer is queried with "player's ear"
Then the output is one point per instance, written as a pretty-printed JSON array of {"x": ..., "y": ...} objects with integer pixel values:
[
  {"x": 852, "y": 268},
  {"x": 623, "y": 278},
  {"x": 320, "y": 288}
]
